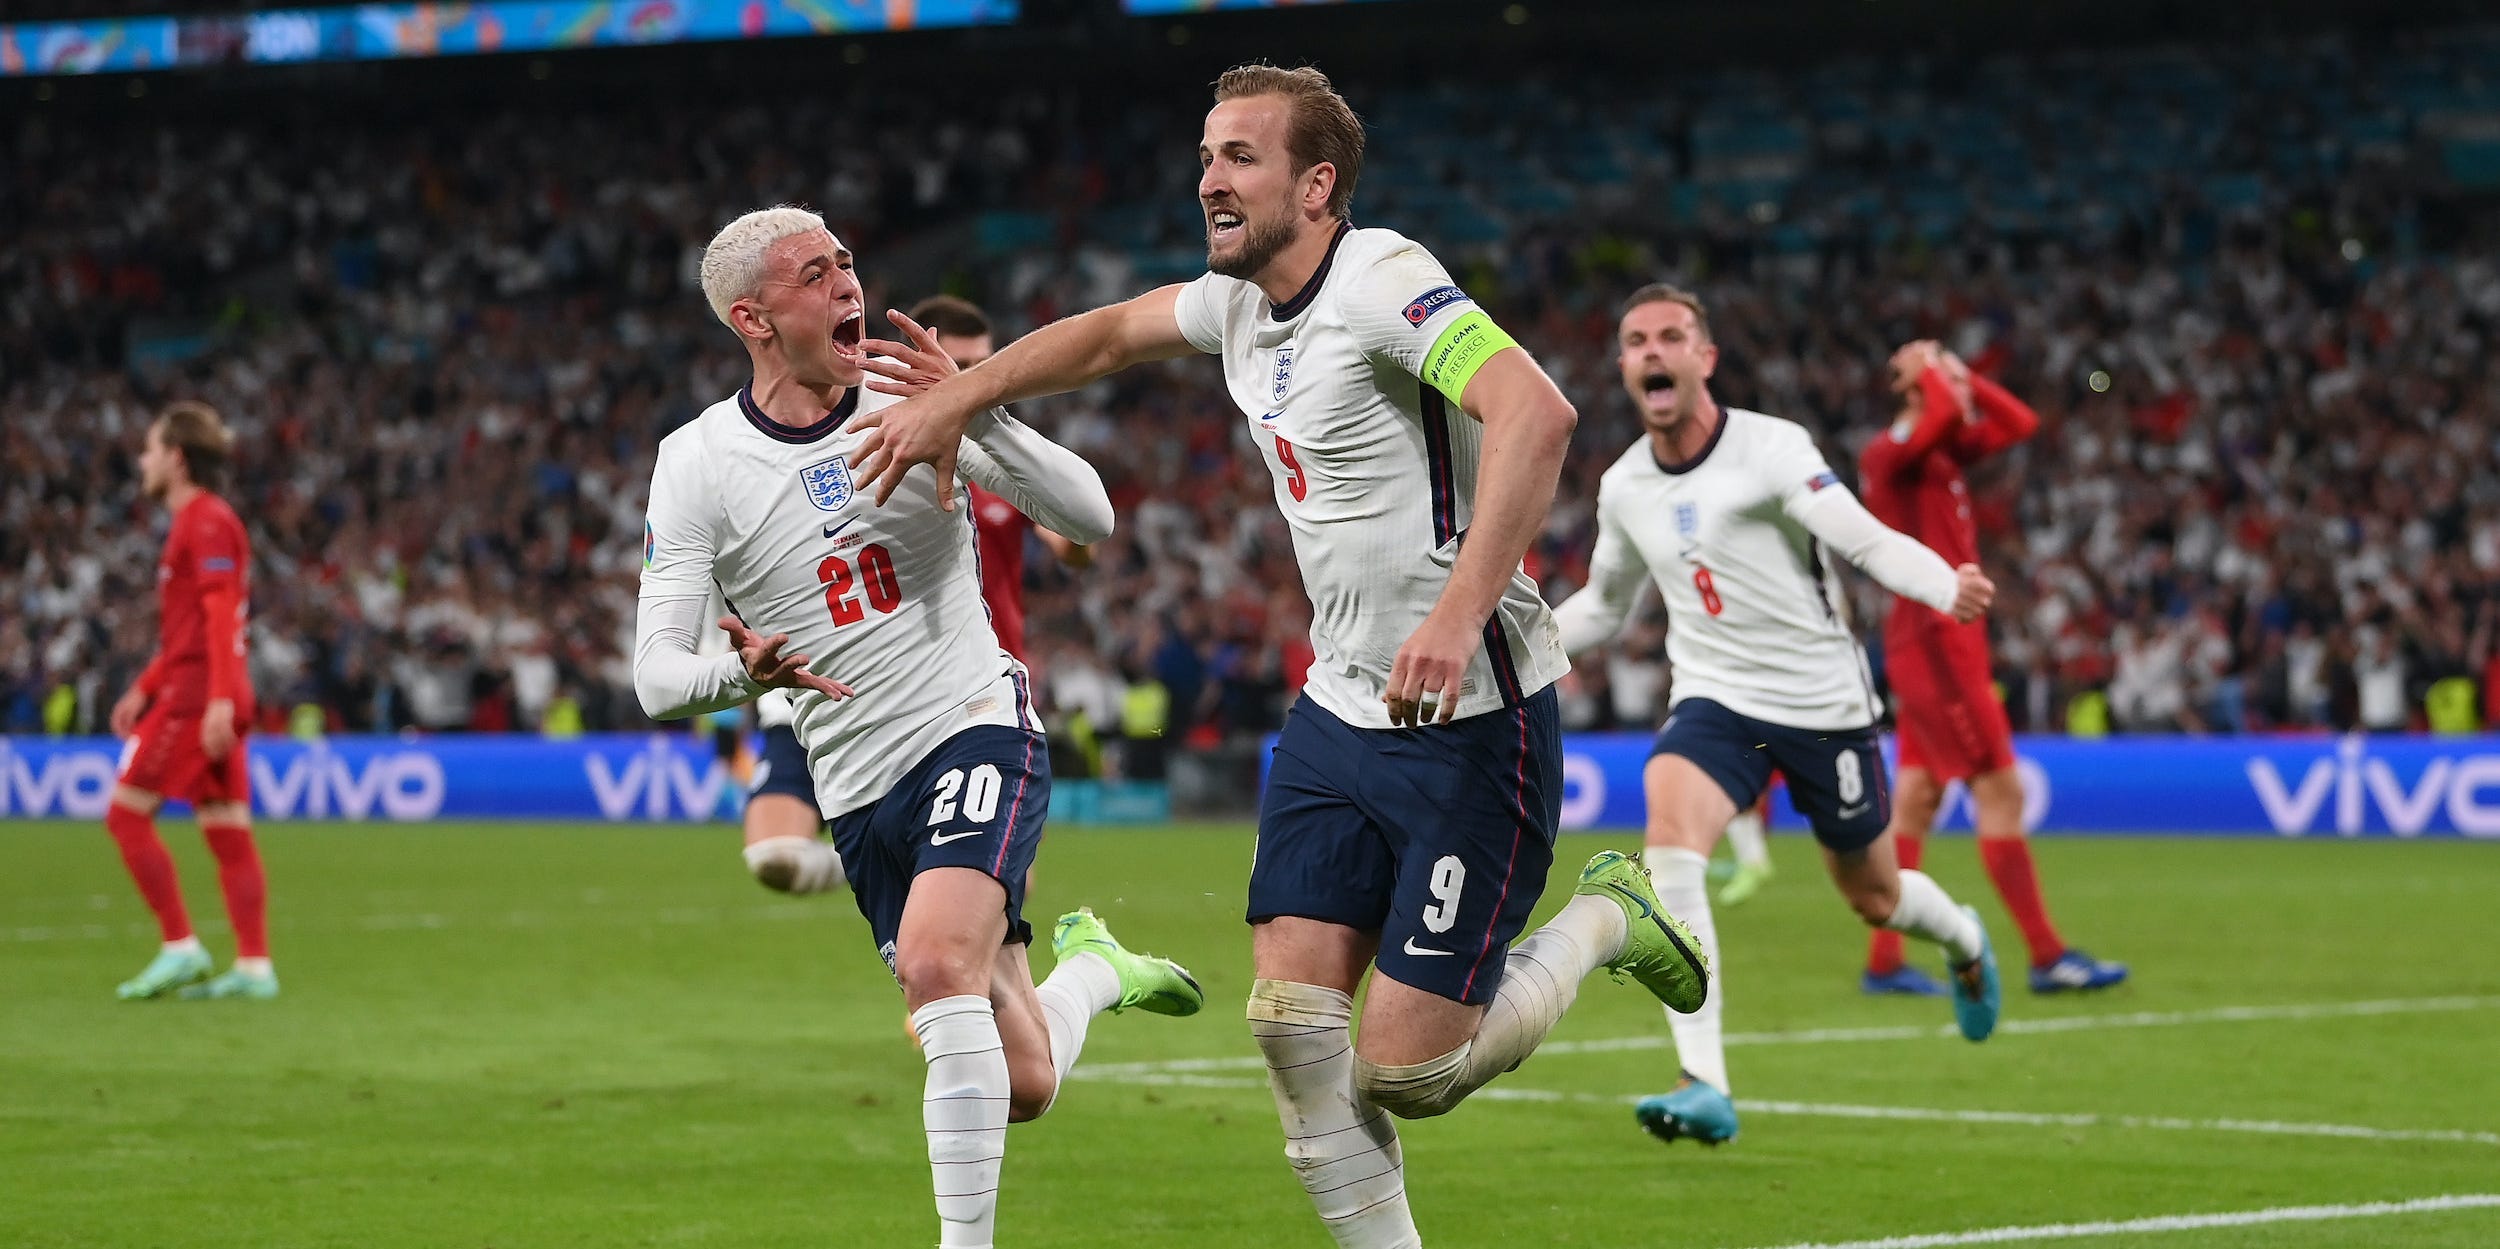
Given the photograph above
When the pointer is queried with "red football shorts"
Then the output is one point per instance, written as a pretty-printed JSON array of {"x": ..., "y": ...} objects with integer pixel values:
[
  {"x": 1944, "y": 699},
  {"x": 163, "y": 757}
]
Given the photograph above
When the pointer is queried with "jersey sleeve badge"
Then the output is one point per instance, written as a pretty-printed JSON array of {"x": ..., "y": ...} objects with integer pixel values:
[{"x": 1433, "y": 301}]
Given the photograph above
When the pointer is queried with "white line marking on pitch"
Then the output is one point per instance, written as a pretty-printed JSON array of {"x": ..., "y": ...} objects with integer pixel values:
[
  {"x": 1833, "y": 1036},
  {"x": 1925, "y": 1114},
  {"x": 2167, "y": 1223},
  {"x": 2269, "y": 1127}
]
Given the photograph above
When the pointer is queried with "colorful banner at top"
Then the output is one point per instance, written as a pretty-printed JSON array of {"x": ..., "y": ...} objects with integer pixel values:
[
  {"x": 1167, "y": 8},
  {"x": 368, "y": 32}
]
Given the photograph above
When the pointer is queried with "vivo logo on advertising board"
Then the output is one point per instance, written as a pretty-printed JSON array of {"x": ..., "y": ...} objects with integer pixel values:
[
  {"x": 655, "y": 783},
  {"x": 74, "y": 784},
  {"x": 317, "y": 783},
  {"x": 2347, "y": 786}
]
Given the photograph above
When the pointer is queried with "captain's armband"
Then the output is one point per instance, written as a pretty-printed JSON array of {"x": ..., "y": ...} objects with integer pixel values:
[{"x": 1462, "y": 349}]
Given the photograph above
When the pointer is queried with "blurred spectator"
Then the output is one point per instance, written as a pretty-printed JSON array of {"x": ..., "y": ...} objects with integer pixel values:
[{"x": 2266, "y": 494}]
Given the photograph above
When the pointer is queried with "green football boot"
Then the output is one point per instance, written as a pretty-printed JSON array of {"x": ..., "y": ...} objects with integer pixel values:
[
  {"x": 257, "y": 986},
  {"x": 1659, "y": 951},
  {"x": 169, "y": 970},
  {"x": 1747, "y": 880},
  {"x": 1156, "y": 985}
]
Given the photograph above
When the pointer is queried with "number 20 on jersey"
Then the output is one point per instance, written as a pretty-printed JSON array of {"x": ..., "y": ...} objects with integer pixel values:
[{"x": 875, "y": 579}]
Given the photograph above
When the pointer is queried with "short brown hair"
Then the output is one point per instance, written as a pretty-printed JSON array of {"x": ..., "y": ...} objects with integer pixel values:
[
  {"x": 1667, "y": 293},
  {"x": 194, "y": 428},
  {"x": 1319, "y": 126},
  {"x": 952, "y": 316}
]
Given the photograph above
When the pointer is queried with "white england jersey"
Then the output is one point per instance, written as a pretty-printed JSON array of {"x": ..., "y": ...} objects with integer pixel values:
[
  {"x": 773, "y": 710},
  {"x": 886, "y": 600},
  {"x": 1375, "y": 469},
  {"x": 1738, "y": 541}
]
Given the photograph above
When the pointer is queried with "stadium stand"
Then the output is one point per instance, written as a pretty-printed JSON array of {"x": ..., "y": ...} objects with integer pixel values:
[{"x": 2242, "y": 285}]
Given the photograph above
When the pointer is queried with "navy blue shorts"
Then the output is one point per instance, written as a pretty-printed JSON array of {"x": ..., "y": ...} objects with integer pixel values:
[
  {"x": 976, "y": 801},
  {"x": 1439, "y": 838},
  {"x": 783, "y": 769},
  {"x": 1835, "y": 776}
]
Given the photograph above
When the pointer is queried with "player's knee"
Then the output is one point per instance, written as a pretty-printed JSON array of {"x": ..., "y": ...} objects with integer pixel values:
[
  {"x": 1415, "y": 1090},
  {"x": 1031, "y": 1087},
  {"x": 1874, "y": 901},
  {"x": 795, "y": 864},
  {"x": 929, "y": 974}
]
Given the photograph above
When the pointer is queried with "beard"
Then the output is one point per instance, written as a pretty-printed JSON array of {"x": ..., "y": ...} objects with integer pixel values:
[{"x": 1261, "y": 242}]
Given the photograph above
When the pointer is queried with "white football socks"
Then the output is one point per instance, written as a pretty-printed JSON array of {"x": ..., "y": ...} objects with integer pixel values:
[
  {"x": 796, "y": 864},
  {"x": 1540, "y": 981},
  {"x": 1746, "y": 837},
  {"x": 964, "y": 1109},
  {"x": 1682, "y": 879},
  {"x": 1081, "y": 987},
  {"x": 1343, "y": 1149},
  {"x": 1928, "y": 912}
]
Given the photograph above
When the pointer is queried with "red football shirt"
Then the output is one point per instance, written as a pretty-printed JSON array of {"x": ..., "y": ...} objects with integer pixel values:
[
  {"x": 203, "y": 588},
  {"x": 1911, "y": 478},
  {"x": 998, "y": 531}
]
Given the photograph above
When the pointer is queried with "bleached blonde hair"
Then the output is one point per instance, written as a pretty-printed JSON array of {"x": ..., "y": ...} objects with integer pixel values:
[{"x": 733, "y": 262}]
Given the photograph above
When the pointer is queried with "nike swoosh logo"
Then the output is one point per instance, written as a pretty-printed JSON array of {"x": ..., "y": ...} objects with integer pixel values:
[
  {"x": 939, "y": 839},
  {"x": 1420, "y": 952},
  {"x": 831, "y": 530},
  {"x": 1851, "y": 813},
  {"x": 1635, "y": 899}
]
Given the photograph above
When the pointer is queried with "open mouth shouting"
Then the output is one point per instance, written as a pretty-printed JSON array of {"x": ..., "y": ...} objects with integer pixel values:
[
  {"x": 1224, "y": 225},
  {"x": 847, "y": 337},
  {"x": 1658, "y": 389}
]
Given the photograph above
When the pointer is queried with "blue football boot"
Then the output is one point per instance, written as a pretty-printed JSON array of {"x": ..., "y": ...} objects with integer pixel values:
[
  {"x": 2077, "y": 972},
  {"x": 1977, "y": 995},
  {"x": 1693, "y": 1110},
  {"x": 1902, "y": 981}
]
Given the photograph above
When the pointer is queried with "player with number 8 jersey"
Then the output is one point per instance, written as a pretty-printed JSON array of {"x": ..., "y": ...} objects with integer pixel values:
[
  {"x": 1734, "y": 514},
  {"x": 926, "y": 754}
]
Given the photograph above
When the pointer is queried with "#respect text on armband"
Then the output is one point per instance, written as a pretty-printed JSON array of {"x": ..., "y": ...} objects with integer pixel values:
[{"x": 1461, "y": 350}]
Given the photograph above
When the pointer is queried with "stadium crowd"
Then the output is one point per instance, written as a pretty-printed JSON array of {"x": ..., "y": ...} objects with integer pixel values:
[{"x": 2240, "y": 292}]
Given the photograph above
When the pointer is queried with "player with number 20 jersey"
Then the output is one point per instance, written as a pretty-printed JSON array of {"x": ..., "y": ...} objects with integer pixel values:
[{"x": 926, "y": 755}]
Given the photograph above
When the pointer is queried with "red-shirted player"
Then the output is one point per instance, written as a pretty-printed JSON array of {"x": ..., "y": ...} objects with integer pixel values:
[
  {"x": 186, "y": 717},
  {"x": 1951, "y": 724}
]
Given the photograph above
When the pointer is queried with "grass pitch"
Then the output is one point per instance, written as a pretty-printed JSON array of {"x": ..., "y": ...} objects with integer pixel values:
[{"x": 522, "y": 1035}]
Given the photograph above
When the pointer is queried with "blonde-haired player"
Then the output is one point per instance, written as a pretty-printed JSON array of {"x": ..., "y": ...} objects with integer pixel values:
[{"x": 926, "y": 755}]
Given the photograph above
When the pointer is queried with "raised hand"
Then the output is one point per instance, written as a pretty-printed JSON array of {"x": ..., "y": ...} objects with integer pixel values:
[
  {"x": 909, "y": 367},
  {"x": 921, "y": 430},
  {"x": 768, "y": 667}
]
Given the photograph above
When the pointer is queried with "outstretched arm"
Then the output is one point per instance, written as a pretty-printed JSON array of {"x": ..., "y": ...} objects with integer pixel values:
[
  {"x": 1046, "y": 481},
  {"x": 1896, "y": 561},
  {"x": 1595, "y": 614},
  {"x": 928, "y": 428}
]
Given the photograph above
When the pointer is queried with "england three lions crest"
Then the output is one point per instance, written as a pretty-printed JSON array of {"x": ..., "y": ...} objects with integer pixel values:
[
  {"x": 828, "y": 483},
  {"x": 1282, "y": 379}
]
